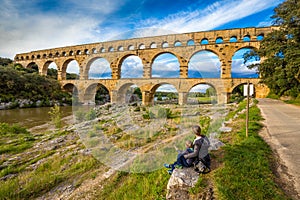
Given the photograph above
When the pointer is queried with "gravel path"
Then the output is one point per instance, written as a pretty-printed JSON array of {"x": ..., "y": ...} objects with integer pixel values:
[{"x": 282, "y": 123}]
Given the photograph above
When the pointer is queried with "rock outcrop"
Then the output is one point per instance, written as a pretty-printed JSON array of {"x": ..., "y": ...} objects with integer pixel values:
[{"x": 180, "y": 182}]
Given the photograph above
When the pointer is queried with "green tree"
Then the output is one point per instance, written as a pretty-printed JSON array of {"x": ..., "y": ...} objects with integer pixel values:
[
  {"x": 281, "y": 51},
  {"x": 5, "y": 61},
  {"x": 55, "y": 116}
]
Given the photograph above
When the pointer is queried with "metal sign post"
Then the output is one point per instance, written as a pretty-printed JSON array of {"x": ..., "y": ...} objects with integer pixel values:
[{"x": 247, "y": 109}]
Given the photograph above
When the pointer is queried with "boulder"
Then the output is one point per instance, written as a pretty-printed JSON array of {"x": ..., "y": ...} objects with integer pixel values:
[{"x": 180, "y": 182}]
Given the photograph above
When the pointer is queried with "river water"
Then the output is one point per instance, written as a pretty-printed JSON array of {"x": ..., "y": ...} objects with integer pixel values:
[{"x": 31, "y": 117}]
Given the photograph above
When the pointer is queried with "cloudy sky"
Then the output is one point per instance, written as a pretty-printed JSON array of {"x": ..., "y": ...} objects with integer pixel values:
[{"x": 27, "y": 25}]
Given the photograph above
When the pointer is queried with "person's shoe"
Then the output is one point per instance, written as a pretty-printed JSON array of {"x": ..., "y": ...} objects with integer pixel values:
[
  {"x": 179, "y": 166},
  {"x": 167, "y": 166},
  {"x": 170, "y": 172}
]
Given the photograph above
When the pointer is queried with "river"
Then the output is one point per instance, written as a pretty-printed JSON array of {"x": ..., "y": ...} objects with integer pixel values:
[{"x": 31, "y": 117}]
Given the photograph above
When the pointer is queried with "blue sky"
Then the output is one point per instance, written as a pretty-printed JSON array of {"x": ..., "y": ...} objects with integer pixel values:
[{"x": 27, "y": 25}]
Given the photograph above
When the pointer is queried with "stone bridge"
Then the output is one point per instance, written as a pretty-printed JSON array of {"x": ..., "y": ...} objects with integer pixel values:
[{"x": 223, "y": 43}]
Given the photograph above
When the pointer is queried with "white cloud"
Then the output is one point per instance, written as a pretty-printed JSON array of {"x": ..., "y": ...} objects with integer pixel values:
[
  {"x": 216, "y": 14},
  {"x": 25, "y": 30}
]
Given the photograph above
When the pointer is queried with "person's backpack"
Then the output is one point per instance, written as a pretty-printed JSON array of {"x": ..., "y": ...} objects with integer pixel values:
[{"x": 201, "y": 167}]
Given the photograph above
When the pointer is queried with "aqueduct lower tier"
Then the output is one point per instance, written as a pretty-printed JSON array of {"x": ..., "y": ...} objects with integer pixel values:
[
  {"x": 86, "y": 89},
  {"x": 223, "y": 43}
]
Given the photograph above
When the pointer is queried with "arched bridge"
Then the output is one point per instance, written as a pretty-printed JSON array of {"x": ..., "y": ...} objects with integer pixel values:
[{"x": 223, "y": 43}]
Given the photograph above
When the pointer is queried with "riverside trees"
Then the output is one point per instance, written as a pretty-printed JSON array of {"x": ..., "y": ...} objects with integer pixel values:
[
  {"x": 281, "y": 52},
  {"x": 18, "y": 83}
]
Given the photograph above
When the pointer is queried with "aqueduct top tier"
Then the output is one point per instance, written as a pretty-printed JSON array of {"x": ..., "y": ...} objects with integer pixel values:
[{"x": 224, "y": 43}]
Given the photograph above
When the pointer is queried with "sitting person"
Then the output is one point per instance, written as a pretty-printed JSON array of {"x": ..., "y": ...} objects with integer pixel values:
[
  {"x": 180, "y": 159},
  {"x": 201, "y": 145},
  {"x": 200, "y": 153}
]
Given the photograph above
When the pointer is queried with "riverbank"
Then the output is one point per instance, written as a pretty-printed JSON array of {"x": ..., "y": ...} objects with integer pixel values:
[{"x": 65, "y": 168}]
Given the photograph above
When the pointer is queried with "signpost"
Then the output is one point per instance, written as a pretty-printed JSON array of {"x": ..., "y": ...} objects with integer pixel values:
[{"x": 248, "y": 90}]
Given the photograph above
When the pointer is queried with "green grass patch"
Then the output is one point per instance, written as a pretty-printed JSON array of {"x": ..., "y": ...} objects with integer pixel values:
[
  {"x": 30, "y": 184},
  {"x": 14, "y": 139},
  {"x": 124, "y": 186},
  {"x": 247, "y": 173}
]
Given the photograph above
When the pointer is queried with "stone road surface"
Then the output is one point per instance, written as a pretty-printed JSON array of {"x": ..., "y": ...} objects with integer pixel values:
[{"x": 283, "y": 127}]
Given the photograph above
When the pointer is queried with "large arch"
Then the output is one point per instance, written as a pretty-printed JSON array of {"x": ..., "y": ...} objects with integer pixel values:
[
  {"x": 98, "y": 68},
  {"x": 204, "y": 64},
  {"x": 131, "y": 66},
  {"x": 237, "y": 91},
  {"x": 52, "y": 69},
  {"x": 166, "y": 92},
  {"x": 165, "y": 65},
  {"x": 32, "y": 65},
  {"x": 91, "y": 92},
  {"x": 239, "y": 67},
  {"x": 66, "y": 67},
  {"x": 202, "y": 93},
  {"x": 127, "y": 94}
]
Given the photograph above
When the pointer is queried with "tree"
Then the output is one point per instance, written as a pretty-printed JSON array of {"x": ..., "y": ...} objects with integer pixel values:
[
  {"x": 55, "y": 116},
  {"x": 5, "y": 61},
  {"x": 280, "y": 51}
]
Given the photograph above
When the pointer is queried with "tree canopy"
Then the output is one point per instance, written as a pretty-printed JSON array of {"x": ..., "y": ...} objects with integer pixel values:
[{"x": 280, "y": 50}]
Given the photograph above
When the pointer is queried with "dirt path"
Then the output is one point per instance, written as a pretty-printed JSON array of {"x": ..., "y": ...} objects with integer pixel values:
[{"x": 282, "y": 132}]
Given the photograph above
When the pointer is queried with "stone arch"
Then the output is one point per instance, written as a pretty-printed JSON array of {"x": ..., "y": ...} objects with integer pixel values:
[
  {"x": 177, "y": 44},
  {"x": 130, "y": 47},
  {"x": 165, "y": 65},
  {"x": 124, "y": 95},
  {"x": 238, "y": 67},
  {"x": 153, "y": 45},
  {"x": 120, "y": 48},
  {"x": 219, "y": 40},
  {"x": 32, "y": 65},
  {"x": 204, "y": 41},
  {"x": 196, "y": 88},
  {"x": 238, "y": 88},
  {"x": 233, "y": 39},
  {"x": 204, "y": 64},
  {"x": 104, "y": 69},
  {"x": 102, "y": 49},
  {"x": 260, "y": 37},
  {"x": 190, "y": 42},
  {"x": 94, "y": 50},
  {"x": 46, "y": 66},
  {"x": 165, "y": 45},
  {"x": 111, "y": 49},
  {"x": 142, "y": 46},
  {"x": 65, "y": 66},
  {"x": 154, "y": 88},
  {"x": 70, "y": 88},
  {"x": 130, "y": 68},
  {"x": 91, "y": 91},
  {"x": 246, "y": 38}
]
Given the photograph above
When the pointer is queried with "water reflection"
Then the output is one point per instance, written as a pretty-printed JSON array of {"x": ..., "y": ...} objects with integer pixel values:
[{"x": 30, "y": 117}]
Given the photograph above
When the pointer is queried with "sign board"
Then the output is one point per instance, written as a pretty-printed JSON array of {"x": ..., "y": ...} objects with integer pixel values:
[{"x": 251, "y": 91}]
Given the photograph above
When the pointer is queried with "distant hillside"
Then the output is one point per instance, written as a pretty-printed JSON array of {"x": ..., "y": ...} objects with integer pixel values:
[{"x": 20, "y": 87}]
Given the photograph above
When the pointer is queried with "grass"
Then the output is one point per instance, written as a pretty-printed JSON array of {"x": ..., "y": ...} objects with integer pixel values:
[
  {"x": 14, "y": 139},
  {"x": 30, "y": 184},
  {"x": 246, "y": 172},
  {"x": 136, "y": 186}
]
